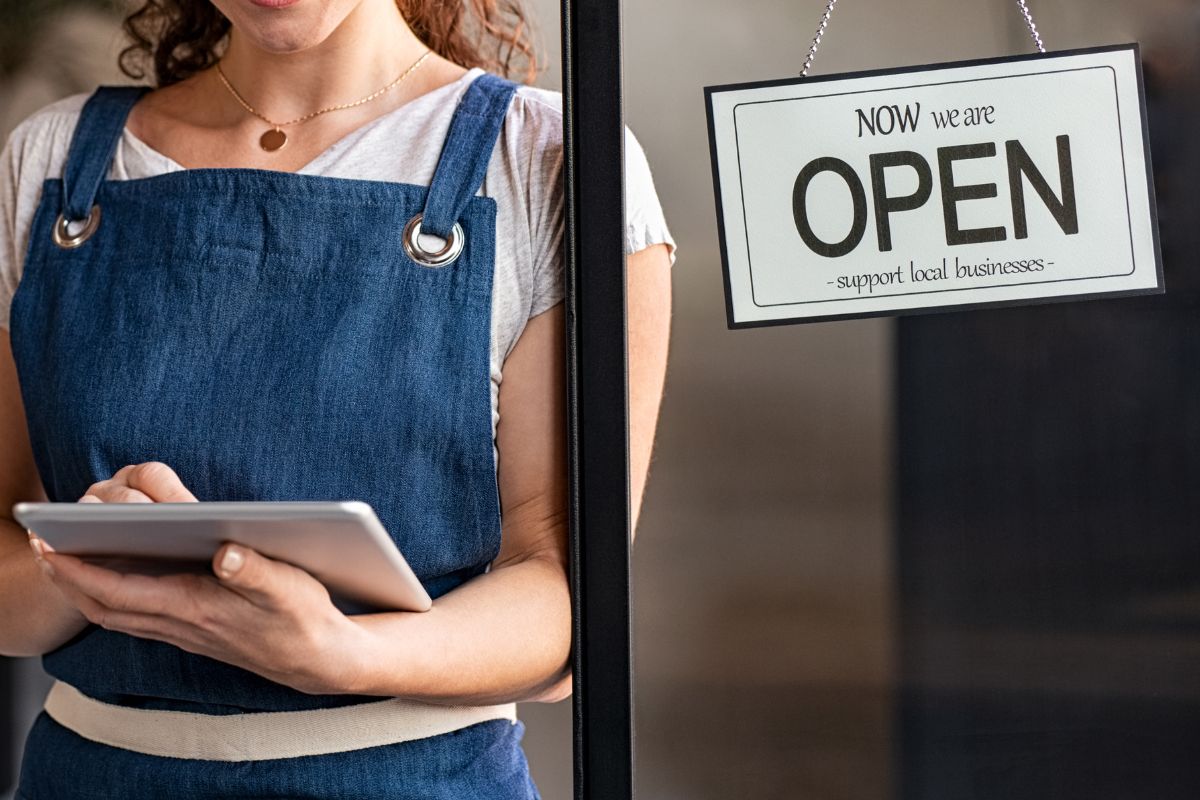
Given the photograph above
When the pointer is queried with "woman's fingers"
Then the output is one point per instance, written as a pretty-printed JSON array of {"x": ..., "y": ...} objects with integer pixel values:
[
  {"x": 115, "y": 590},
  {"x": 147, "y": 482},
  {"x": 142, "y": 623},
  {"x": 156, "y": 480},
  {"x": 113, "y": 491}
]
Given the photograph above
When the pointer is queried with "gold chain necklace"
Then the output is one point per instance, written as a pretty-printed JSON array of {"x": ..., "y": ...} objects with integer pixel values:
[{"x": 274, "y": 139}]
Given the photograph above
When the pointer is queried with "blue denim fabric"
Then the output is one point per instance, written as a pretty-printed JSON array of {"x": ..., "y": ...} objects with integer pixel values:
[{"x": 265, "y": 334}]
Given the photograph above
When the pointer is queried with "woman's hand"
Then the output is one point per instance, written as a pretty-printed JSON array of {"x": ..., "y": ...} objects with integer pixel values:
[{"x": 254, "y": 612}]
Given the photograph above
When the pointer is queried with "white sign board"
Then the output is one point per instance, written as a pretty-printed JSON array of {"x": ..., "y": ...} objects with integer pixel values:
[{"x": 984, "y": 183}]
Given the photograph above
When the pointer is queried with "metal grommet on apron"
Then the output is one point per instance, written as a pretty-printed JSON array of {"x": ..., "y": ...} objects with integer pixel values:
[
  {"x": 62, "y": 232},
  {"x": 436, "y": 258},
  {"x": 236, "y": 325}
]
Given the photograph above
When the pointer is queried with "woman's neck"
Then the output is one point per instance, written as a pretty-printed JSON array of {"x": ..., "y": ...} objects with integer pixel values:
[
  {"x": 197, "y": 122},
  {"x": 367, "y": 51}
]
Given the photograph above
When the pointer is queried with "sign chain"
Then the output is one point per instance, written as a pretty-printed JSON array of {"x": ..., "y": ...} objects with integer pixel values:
[
  {"x": 824, "y": 23},
  {"x": 1033, "y": 31}
]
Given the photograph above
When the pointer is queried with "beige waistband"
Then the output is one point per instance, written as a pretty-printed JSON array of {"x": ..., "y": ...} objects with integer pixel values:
[{"x": 258, "y": 735}]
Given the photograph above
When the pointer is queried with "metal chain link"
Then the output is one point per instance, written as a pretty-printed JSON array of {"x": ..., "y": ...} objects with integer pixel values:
[
  {"x": 1033, "y": 31},
  {"x": 824, "y": 23},
  {"x": 812, "y": 51}
]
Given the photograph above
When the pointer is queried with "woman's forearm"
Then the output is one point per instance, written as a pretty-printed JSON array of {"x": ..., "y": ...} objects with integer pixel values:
[
  {"x": 35, "y": 618},
  {"x": 503, "y": 636}
]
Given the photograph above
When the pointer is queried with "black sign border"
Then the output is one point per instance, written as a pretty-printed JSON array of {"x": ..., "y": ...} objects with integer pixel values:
[{"x": 732, "y": 324}]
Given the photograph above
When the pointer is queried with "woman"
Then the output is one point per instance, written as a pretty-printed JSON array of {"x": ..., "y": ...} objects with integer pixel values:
[{"x": 299, "y": 268}]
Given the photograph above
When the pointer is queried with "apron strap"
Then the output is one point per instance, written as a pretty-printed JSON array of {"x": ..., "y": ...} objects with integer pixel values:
[
  {"x": 466, "y": 152},
  {"x": 100, "y": 125}
]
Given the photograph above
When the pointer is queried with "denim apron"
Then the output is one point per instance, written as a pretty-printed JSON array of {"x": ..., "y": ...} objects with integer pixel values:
[{"x": 270, "y": 336}]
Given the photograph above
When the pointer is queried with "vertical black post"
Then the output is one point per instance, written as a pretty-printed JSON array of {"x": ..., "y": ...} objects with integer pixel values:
[{"x": 597, "y": 384}]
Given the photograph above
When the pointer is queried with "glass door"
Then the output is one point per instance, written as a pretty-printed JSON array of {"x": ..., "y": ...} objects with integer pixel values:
[{"x": 946, "y": 556}]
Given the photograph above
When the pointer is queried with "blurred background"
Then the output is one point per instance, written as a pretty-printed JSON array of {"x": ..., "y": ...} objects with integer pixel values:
[{"x": 947, "y": 557}]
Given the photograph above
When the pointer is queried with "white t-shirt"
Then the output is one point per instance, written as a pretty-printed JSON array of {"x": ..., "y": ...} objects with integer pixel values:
[{"x": 524, "y": 176}]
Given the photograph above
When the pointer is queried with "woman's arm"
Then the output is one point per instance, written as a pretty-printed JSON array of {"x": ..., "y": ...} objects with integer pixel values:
[
  {"x": 648, "y": 307},
  {"x": 36, "y": 617},
  {"x": 507, "y": 633}
]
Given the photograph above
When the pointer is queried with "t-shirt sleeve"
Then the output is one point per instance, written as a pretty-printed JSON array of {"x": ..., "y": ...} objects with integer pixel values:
[
  {"x": 645, "y": 222},
  {"x": 10, "y": 248},
  {"x": 33, "y": 152},
  {"x": 547, "y": 209}
]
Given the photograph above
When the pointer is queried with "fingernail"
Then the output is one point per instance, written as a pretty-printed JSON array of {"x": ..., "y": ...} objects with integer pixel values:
[
  {"x": 232, "y": 561},
  {"x": 36, "y": 544}
]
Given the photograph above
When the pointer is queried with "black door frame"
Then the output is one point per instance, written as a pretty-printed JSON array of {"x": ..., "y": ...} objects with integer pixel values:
[{"x": 598, "y": 399}]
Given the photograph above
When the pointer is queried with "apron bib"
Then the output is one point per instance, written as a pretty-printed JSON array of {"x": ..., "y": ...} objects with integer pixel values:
[{"x": 270, "y": 336}]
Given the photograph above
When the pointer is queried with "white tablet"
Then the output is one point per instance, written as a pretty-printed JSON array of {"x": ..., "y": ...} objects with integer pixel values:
[{"x": 342, "y": 544}]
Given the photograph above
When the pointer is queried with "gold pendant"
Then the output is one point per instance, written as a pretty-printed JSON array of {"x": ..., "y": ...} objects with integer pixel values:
[{"x": 273, "y": 140}]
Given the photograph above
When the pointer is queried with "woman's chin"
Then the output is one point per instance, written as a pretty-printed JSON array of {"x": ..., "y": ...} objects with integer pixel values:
[{"x": 283, "y": 26}]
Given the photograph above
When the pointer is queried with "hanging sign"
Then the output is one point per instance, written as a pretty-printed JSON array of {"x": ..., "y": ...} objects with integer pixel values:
[{"x": 996, "y": 182}]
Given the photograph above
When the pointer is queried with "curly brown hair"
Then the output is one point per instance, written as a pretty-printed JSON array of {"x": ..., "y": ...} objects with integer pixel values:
[{"x": 179, "y": 38}]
